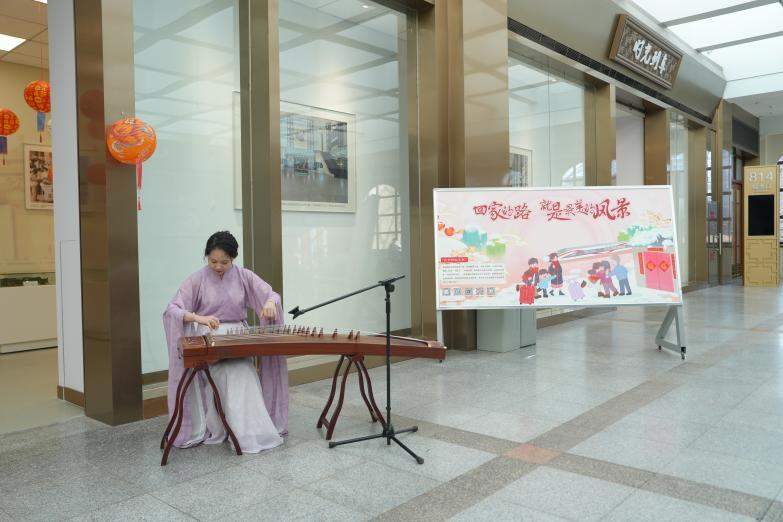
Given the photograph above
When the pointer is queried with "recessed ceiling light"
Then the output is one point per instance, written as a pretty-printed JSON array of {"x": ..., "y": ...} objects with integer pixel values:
[
  {"x": 43, "y": 1},
  {"x": 8, "y": 42},
  {"x": 365, "y": 6}
]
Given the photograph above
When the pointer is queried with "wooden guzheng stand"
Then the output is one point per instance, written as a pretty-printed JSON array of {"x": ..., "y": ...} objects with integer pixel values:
[{"x": 199, "y": 352}]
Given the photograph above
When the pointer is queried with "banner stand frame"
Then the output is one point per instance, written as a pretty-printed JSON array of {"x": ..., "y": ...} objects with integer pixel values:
[
  {"x": 673, "y": 315},
  {"x": 439, "y": 326}
]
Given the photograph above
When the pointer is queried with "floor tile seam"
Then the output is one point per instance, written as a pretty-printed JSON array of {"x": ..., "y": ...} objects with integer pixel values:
[
  {"x": 455, "y": 483},
  {"x": 655, "y": 476}
]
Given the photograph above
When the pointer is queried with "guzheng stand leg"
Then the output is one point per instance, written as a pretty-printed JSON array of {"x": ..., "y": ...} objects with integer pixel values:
[
  {"x": 176, "y": 410},
  {"x": 219, "y": 408},
  {"x": 374, "y": 407},
  {"x": 339, "y": 406},
  {"x": 322, "y": 421},
  {"x": 369, "y": 399},
  {"x": 188, "y": 378}
]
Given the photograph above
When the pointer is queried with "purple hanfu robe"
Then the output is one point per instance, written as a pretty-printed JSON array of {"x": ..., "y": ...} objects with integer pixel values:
[{"x": 228, "y": 298}]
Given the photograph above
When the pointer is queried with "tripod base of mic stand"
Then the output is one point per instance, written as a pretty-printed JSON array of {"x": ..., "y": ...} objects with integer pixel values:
[{"x": 390, "y": 435}]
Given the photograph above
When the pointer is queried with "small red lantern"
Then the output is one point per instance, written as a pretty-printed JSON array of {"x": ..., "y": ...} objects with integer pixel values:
[
  {"x": 132, "y": 141},
  {"x": 9, "y": 123},
  {"x": 37, "y": 95}
]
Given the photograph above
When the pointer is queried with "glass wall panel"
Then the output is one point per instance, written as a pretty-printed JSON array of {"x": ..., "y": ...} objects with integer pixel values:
[
  {"x": 547, "y": 127},
  {"x": 186, "y": 84},
  {"x": 678, "y": 178},
  {"x": 344, "y": 159},
  {"x": 546, "y": 124}
]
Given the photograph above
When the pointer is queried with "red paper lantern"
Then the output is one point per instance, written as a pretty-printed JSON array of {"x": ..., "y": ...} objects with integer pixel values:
[
  {"x": 132, "y": 141},
  {"x": 37, "y": 95},
  {"x": 9, "y": 123}
]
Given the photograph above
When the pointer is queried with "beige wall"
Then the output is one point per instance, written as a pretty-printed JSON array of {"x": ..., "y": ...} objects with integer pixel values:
[{"x": 27, "y": 236}]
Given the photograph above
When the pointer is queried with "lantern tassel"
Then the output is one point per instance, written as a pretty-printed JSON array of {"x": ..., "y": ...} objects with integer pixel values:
[
  {"x": 138, "y": 184},
  {"x": 41, "y": 121},
  {"x": 3, "y": 147}
]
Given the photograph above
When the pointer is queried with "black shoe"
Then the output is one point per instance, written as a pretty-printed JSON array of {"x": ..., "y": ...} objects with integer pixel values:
[{"x": 561, "y": 292}]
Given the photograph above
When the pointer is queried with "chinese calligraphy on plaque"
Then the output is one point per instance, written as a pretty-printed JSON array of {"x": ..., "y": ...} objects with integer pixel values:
[{"x": 637, "y": 48}]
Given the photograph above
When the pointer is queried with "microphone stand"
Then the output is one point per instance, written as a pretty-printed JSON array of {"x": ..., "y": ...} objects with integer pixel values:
[{"x": 389, "y": 433}]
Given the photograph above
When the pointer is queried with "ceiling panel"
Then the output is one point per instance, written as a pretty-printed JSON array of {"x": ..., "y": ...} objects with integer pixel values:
[
  {"x": 731, "y": 27},
  {"x": 32, "y": 48},
  {"x": 25, "y": 10},
  {"x": 16, "y": 27},
  {"x": 750, "y": 59},
  {"x": 23, "y": 59},
  {"x": 665, "y": 10},
  {"x": 42, "y": 37}
]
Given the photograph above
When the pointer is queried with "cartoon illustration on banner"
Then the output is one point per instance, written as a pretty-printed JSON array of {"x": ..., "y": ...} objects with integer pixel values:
[{"x": 512, "y": 247}]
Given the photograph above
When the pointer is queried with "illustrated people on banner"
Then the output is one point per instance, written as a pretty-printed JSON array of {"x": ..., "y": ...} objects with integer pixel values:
[
  {"x": 527, "y": 290},
  {"x": 621, "y": 273},
  {"x": 594, "y": 280},
  {"x": 603, "y": 270},
  {"x": 556, "y": 271},
  {"x": 543, "y": 279}
]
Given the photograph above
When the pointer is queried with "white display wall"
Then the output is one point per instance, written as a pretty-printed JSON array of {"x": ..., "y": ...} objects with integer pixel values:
[
  {"x": 347, "y": 57},
  {"x": 185, "y": 78},
  {"x": 629, "y": 126}
]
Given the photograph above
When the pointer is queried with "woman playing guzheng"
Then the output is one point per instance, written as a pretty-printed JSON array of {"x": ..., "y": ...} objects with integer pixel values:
[{"x": 217, "y": 298}]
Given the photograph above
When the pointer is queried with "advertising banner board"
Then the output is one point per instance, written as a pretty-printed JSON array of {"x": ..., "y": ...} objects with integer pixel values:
[{"x": 555, "y": 247}]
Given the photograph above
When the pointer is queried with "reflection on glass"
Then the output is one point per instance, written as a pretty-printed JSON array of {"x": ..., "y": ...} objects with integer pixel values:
[
  {"x": 186, "y": 73},
  {"x": 343, "y": 99},
  {"x": 547, "y": 121}
]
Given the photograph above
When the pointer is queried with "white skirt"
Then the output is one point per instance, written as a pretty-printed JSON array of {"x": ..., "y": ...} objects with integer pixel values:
[{"x": 241, "y": 398}]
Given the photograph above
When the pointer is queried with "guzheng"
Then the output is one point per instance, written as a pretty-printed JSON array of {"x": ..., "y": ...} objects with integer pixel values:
[
  {"x": 299, "y": 340},
  {"x": 199, "y": 352}
]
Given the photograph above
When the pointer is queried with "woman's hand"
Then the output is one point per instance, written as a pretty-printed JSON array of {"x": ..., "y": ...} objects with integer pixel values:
[
  {"x": 269, "y": 311},
  {"x": 210, "y": 321}
]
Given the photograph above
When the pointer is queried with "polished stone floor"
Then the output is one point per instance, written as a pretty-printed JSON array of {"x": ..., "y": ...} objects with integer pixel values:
[
  {"x": 28, "y": 391},
  {"x": 592, "y": 424}
]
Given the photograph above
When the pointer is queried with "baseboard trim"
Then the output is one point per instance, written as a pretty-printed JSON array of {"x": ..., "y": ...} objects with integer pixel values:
[
  {"x": 154, "y": 407},
  {"x": 70, "y": 395}
]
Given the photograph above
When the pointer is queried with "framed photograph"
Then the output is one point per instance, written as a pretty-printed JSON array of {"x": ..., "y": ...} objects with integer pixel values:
[
  {"x": 38, "y": 177},
  {"x": 317, "y": 159},
  {"x": 520, "y": 167}
]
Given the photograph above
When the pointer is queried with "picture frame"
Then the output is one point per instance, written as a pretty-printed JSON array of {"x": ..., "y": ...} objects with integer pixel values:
[
  {"x": 38, "y": 177},
  {"x": 317, "y": 159},
  {"x": 520, "y": 167}
]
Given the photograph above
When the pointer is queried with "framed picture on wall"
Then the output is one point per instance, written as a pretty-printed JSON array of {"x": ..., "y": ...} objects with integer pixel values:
[
  {"x": 317, "y": 159},
  {"x": 520, "y": 167},
  {"x": 38, "y": 177}
]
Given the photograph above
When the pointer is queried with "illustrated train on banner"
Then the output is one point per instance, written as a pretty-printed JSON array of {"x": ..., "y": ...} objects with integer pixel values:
[{"x": 552, "y": 247}]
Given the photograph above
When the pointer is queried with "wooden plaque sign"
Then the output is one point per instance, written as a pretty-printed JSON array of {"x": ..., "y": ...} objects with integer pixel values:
[{"x": 639, "y": 49}]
